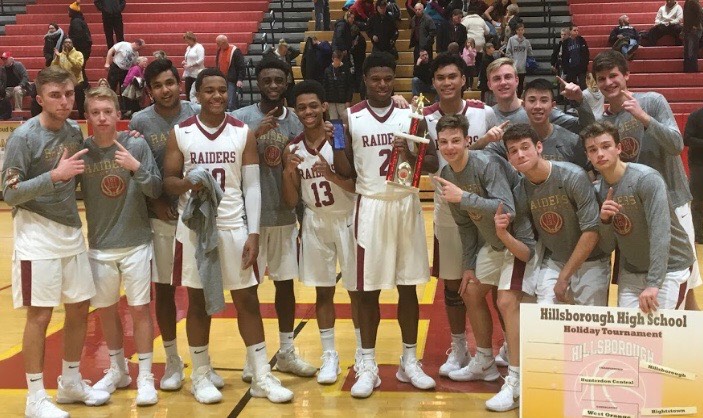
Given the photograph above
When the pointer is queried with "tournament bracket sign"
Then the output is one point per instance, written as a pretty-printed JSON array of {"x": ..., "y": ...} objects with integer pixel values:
[{"x": 584, "y": 361}]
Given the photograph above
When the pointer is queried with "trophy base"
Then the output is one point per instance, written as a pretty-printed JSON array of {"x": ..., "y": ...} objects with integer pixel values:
[{"x": 402, "y": 186}]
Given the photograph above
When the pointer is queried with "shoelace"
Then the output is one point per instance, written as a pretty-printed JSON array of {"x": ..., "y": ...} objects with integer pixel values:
[
  {"x": 363, "y": 369},
  {"x": 148, "y": 377},
  {"x": 268, "y": 380}
]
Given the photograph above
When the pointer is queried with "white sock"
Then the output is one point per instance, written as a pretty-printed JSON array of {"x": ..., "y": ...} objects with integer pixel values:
[
  {"x": 487, "y": 353},
  {"x": 70, "y": 371},
  {"x": 368, "y": 356},
  {"x": 35, "y": 382},
  {"x": 514, "y": 371},
  {"x": 459, "y": 341},
  {"x": 199, "y": 356},
  {"x": 409, "y": 352},
  {"x": 357, "y": 332},
  {"x": 286, "y": 339},
  {"x": 117, "y": 359},
  {"x": 327, "y": 338},
  {"x": 257, "y": 358},
  {"x": 145, "y": 360},
  {"x": 171, "y": 348}
]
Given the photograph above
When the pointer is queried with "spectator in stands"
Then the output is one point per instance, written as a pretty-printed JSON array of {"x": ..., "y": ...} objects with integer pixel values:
[
  {"x": 322, "y": 14},
  {"x": 14, "y": 80},
  {"x": 159, "y": 54},
  {"x": 624, "y": 38},
  {"x": 495, "y": 17},
  {"x": 79, "y": 32},
  {"x": 594, "y": 97},
  {"x": 556, "y": 53},
  {"x": 468, "y": 54},
  {"x": 692, "y": 31},
  {"x": 574, "y": 57},
  {"x": 103, "y": 83},
  {"x": 454, "y": 32},
  {"x": 287, "y": 54},
  {"x": 668, "y": 22},
  {"x": 338, "y": 87},
  {"x": 112, "y": 19},
  {"x": 512, "y": 19},
  {"x": 489, "y": 55},
  {"x": 317, "y": 56},
  {"x": 422, "y": 32},
  {"x": 519, "y": 48},
  {"x": 230, "y": 60},
  {"x": 362, "y": 11},
  {"x": 422, "y": 75},
  {"x": 357, "y": 55},
  {"x": 133, "y": 88},
  {"x": 382, "y": 30},
  {"x": 52, "y": 42},
  {"x": 477, "y": 7},
  {"x": 693, "y": 138},
  {"x": 119, "y": 60},
  {"x": 342, "y": 37},
  {"x": 193, "y": 60},
  {"x": 5, "y": 107},
  {"x": 435, "y": 10},
  {"x": 71, "y": 60},
  {"x": 476, "y": 28}
]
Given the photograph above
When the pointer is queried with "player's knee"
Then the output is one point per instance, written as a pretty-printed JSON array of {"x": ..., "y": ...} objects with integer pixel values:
[
  {"x": 452, "y": 298},
  {"x": 507, "y": 302}
]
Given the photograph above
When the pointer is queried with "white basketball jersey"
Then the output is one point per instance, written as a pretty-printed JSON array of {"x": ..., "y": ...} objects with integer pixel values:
[
  {"x": 372, "y": 143},
  {"x": 478, "y": 116},
  {"x": 318, "y": 194},
  {"x": 221, "y": 154}
]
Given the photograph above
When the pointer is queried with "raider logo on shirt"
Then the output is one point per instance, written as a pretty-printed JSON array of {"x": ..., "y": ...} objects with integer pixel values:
[{"x": 112, "y": 186}]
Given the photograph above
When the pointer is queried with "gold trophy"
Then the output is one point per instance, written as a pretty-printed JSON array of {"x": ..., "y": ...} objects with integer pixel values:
[{"x": 401, "y": 173}]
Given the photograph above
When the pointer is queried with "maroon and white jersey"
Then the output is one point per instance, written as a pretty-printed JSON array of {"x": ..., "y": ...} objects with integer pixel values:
[
  {"x": 318, "y": 194},
  {"x": 481, "y": 119},
  {"x": 372, "y": 142},
  {"x": 218, "y": 150}
]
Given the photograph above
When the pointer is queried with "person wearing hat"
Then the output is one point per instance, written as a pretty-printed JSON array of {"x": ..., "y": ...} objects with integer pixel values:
[
  {"x": 79, "y": 32},
  {"x": 286, "y": 54},
  {"x": 14, "y": 80}
]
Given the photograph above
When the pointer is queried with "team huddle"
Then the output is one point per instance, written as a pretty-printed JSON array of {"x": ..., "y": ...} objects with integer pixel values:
[{"x": 529, "y": 202}]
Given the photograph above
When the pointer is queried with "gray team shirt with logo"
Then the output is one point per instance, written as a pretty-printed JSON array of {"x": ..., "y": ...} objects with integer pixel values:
[
  {"x": 270, "y": 146},
  {"x": 560, "y": 145},
  {"x": 115, "y": 205},
  {"x": 562, "y": 208},
  {"x": 486, "y": 183},
  {"x": 32, "y": 151},
  {"x": 646, "y": 230},
  {"x": 557, "y": 117},
  {"x": 659, "y": 146}
]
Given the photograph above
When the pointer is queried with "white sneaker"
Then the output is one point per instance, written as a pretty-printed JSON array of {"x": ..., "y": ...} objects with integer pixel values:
[
  {"x": 330, "y": 368},
  {"x": 39, "y": 405},
  {"x": 478, "y": 369},
  {"x": 202, "y": 388},
  {"x": 268, "y": 386},
  {"x": 289, "y": 362},
  {"x": 366, "y": 381},
  {"x": 458, "y": 357},
  {"x": 411, "y": 372},
  {"x": 80, "y": 391},
  {"x": 146, "y": 393},
  {"x": 502, "y": 357},
  {"x": 358, "y": 360},
  {"x": 173, "y": 375},
  {"x": 114, "y": 379},
  {"x": 508, "y": 398},
  {"x": 216, "y": 379},
  {"x": 247, "y": 373}
]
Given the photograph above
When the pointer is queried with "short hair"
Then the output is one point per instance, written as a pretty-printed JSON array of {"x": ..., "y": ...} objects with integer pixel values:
[
  {"x": 208, "y": 72},
  {"x": 103, "y": 93},
  {"x": 447, "y": 58},
  {"x": 519, "y": 25},
  {"x": 53, "y": 74},
  {"x": 309, "y": 87},
  {"x": 457, "y": 12},
  {"x": 453, "y": 48},
  {"x": 572, "y": 26},
  {"x": 190, "y": 35},
  {"x": 520, "y": 131},
  {"x": 157, "y": 67},
  {"x": 337, "y": 53},
  {"x": 487, "y": 46},
  {"x": 564, "y": 30},
  {"x": 381, "y": 3},
  {"x": 379, "y": 59},
  {"x": 597, "y": 129},
  {"x": 159, "y": 54},
  {"x": 607, "y": 60},
  {"x": 539, "y": 84},
  {"x": 272, "y": 63},
  {"x": 495, "y": 65},
  {"x": 513, "y": 8},
  {"x": 139, "y": 42},
  {"x": 141, "y": 59},
  {"x": 453, "y": 122}
]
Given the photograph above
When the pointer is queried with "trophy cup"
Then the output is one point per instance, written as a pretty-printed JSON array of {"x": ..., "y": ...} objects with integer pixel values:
[{"x": 401, "y": 173}]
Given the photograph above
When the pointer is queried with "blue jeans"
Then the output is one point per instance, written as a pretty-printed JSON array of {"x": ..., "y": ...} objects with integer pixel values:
[
  {"x": 322, "y": 14},
  {"x": 232, "y": 97},
  {"x": 627, "y": 48},
  {"x": 420, "y": 86}
]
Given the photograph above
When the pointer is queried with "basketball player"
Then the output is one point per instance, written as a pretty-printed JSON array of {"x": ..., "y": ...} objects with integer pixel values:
[
  {"x": 496, "y": 240},
  {"x": 327, "y": 234},
  {"x": 564, "y": 212},
  {"x": 388, "y": 223},
  {"x": 50, "y": 263},
  {"x": 155, "y": 122},
  {"x": 274, "y": 125},
  {"x": 650, "y": 136},
  {"x": 119, "y": 173},
  {"x": 655, "y": 256},
  {"x": 227, "y": 149}
]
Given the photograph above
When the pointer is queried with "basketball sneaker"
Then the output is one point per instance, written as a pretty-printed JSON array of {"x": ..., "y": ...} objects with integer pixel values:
[
  {"x": 289, "y": 362},
  {"x": 358, "y": 360},
  {"x": 247, "y": 373},
  {"x": 216, "y": 379},
  {"x": 146, "y": 393},
  {"x": 366, "y": 380},
  {"x": 411, "y": 372},
  {"x": 202, "y": 388},
  {"x": 502, "y": 357},
  {"x": 330, "y": 368},
  {"x": 39, "y": 405},
  {"x": 479, "y": 368},
  {"x": 173, "y": 375},
  {"x": 268, "y": 386},
  {"x": 508, "y": 398},
  {"x": 114, "y": 379},
  {"x": 80, "y": 391},
  {"x": 457, "y": 357}
]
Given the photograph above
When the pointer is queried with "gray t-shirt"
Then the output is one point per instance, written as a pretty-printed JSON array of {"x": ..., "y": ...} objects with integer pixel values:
[
  {"x": 560, "y": 145},
  {"x": 486, "y": 184},
  {"x": 114, "y": 198},
  {"x": 659, "y": 146},
  {"x": 646, "y": 230},
  {"x": 562, "y": 208},
  {"x": 519, "y": 49},
  {"x": 557, "y": 117},
  {"x": 30, "y": 154},
  {"x": 274, "y": 211}
]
